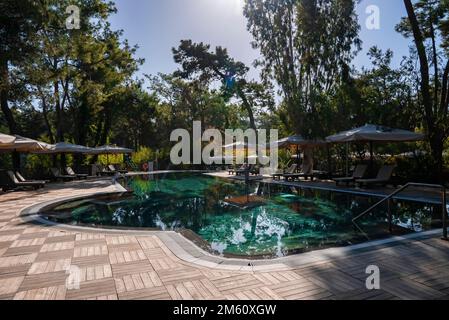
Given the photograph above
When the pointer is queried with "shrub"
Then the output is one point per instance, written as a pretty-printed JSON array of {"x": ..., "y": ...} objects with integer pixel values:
[{"x": 143, "y": 155}]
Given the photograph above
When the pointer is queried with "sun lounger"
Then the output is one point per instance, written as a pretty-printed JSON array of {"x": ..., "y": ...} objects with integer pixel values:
[
  {"x": 255, "y": 170},
  {"x": 72, "y": 173},
  {"x": 22, "y": 179},
  {"x": 58, "y": 176},
  {"x": 290, "y": 170},
  {"x": 383, "y": 177},
  {"x": 9, "y": 181},
  {"x": 321, "y": 174},
  {"x": 359, "y": 173},
  {"x": 246, "y": 169},
  {"x": 113, "y": 169},
  {"x": 234, "y": 171},
  {"x": 103, "y": 171},
  {"x": 305, "y": 173}
]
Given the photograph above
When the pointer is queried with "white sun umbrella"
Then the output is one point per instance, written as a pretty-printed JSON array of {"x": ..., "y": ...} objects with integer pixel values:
[
  {"x": 26, "y": 145},
  {"x": 296, "y": 140},
  {"x": 21, "y": 145},
  {"x": 373, "y": 133},
  {"x": 64, "y": 147},
  {"x": 111, "y": 150},
  {"x": 6, "y": 140}
]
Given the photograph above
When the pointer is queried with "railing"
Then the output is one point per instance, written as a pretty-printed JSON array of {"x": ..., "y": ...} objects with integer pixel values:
[{"x": 398, "y": 191}]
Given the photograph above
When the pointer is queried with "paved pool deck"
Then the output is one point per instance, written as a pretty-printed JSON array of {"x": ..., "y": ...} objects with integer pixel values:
[{"x": 36, "y": 259}]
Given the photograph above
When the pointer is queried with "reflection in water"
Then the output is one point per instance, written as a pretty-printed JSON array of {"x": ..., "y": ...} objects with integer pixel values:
[{"x": 288, "y": 221}]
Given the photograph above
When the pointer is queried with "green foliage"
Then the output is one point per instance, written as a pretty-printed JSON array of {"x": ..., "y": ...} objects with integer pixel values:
[
  {"x": 37, "y": 166},
  {"x": 200, "y": 64},
  {"x": 144, "y": 155},
  {"x": 285, "y": 158},
  {"x": 305, "y": 46}
]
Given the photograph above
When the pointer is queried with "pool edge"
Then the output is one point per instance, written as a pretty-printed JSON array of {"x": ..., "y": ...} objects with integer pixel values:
[{"x": 189, "y": 252}]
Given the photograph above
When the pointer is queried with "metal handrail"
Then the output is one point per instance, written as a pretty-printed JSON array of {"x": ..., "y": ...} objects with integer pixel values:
[{"x": 401, "y": 189}]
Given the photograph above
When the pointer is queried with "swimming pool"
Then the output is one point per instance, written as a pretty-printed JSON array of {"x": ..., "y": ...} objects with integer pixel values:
[{"x": 283, "y": 220}]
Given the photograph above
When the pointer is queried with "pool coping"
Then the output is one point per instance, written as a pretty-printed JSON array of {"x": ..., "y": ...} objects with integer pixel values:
[{"x": 189, "y": 252}]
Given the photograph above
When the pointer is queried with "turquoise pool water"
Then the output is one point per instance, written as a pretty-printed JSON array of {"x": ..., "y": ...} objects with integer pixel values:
[{"x": 285, "y": 220}]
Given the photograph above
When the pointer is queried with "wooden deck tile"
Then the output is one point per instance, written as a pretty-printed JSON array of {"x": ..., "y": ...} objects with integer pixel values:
[
  {"x": 410, "y": 290},
  {"x": 59, "y": 246},
  {"x": 35, "y": 235},
  {"x": 90, "y": 261},
  {"x": 9, "y": 286},
  {"x": 157, "y": 293},
  {"x": 14, "y": 271},
  {"x": 18, "y": 251},
  {"x": 43, "y": 280},
  {"x": 89, "y": 251},
  {"x": 124, "y": 269},
  {"x": 179, "y": 275},
  {"x": 49, "y": 266},
  {"x": 17, "y": 260},
  {"x": 51, "y": 293},
  {"x": 68, "y": 238},
  {"x": 92, "y": 289},
  {"x": 54, "y": 255}
]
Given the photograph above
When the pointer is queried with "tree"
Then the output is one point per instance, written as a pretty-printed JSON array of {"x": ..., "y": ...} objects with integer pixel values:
[
  {"x": 182, "y": 102},
  {"x": 199, "y": 63},
  {"x": 19, "y": 21},
  {"x": 379, "y": 95},
  {"x": 427, "y": 23},
  {"x": 67, "y": 82},
  {"x": 305, "y": 45},
  {"x": 135, "y": 110}
]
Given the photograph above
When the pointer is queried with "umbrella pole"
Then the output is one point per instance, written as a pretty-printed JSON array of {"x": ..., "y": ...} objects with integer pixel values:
[
  {"x": 63, "y": 160},
  {"x": 347, "y": 159},
  {"x": 371, "y": 152},
  {"x": 298, "y": 157},
  {"x": 15, "y": 160}
]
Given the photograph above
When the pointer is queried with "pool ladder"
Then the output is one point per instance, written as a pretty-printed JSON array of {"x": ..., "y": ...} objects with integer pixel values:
[{"x": 398, "y": 191}]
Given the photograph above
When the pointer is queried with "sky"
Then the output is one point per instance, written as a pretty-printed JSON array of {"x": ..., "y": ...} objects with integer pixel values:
[{"x": 158, "y": 25}]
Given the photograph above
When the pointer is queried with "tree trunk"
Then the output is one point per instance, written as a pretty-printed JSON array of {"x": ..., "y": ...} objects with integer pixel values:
[
  {"x": 106, "y": 127},
  {"x": 82, "y": 119},
  {"x": 59, "y": 115},
  {"x": 248, "y": 108},
  {"x": 435, "y": 129},
  {"x": 437, "y": 147},
  {"x": 9, "y": 117},
  {"x": 47, "y": 121},
  {"x": 423, "y": 61}
]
